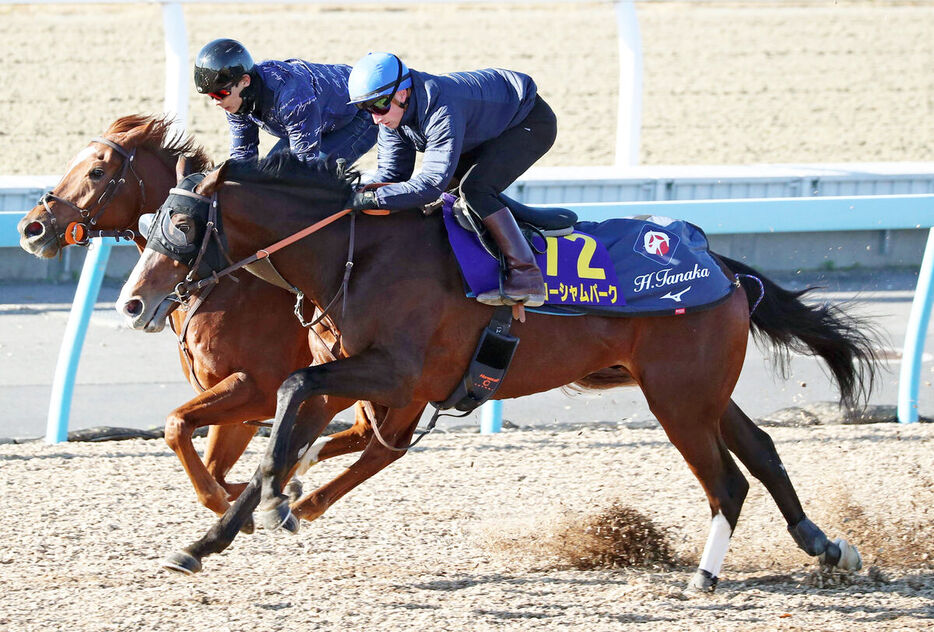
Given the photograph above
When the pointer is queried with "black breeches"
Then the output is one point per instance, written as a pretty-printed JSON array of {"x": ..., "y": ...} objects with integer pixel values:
[{"x": 499, "y": 161}]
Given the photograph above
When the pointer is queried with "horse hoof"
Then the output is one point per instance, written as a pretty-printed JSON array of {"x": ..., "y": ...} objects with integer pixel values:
[
  {"x": 276, "y": 518},
  {"x": 702, "y": 582},
  {"x": 291, "y": 524},
  {"x": 182, "y": 562},
  {"x": 248, "y": 527},
  {"x": 850, "y": 559},
  {"x": 293, "y": 489}
]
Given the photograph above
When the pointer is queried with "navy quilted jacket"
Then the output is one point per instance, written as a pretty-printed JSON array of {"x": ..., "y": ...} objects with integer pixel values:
[{"x": 447, "y": 115}]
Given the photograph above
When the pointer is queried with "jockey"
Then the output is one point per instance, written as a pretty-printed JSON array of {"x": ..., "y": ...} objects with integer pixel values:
[
  {"x": 302, "y": 104},
  {"x": 484, "y": 128}
]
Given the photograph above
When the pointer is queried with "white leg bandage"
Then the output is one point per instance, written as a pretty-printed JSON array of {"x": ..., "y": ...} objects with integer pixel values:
[{"x": 717, "y": 544}]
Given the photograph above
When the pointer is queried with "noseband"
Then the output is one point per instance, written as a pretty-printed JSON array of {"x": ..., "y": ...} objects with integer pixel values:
[{"x": 80, "y": 232}]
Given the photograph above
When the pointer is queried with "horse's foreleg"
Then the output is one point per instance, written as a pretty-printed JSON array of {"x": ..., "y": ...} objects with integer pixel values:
[
  {"x": 366, "y": 376},
  {"x": 221, "y": 534},
  {"x": 396, "y": 428},
  {"x": 756, "y": 450},
  {"x": 353, "y": 439},
  {"x": 225, "y": 445},
  {"x": 292, "y": 435},
  {"x": 234, "y": 399},
  {"x": 313, "y": 417}
]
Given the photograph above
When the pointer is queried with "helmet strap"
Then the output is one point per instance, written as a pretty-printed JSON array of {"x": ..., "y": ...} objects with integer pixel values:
[{"x": 250, "y": 96}]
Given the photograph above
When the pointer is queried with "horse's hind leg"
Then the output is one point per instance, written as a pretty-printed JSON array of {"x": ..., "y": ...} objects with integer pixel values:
[
  {"x": 756, "y": 450},
  {"x": 354, "y": 439},
  {"x": 396, "y": 428},
  {"x": 691, "y": 424}
]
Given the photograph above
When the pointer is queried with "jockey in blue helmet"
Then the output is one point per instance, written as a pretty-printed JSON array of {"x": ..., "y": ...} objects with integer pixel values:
[
  {"x": 301, "y": 103},
  {"x": 484, "y": 128}
]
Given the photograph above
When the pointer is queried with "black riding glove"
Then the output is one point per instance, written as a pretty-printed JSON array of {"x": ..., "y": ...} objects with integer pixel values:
[{"x": 363, "y": 200}]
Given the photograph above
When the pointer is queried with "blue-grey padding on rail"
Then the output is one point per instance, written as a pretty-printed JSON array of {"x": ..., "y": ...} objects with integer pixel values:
[
  {"x": 714, "y": 216},
  {"x": 789, "y": 215},
  {"x": 63, "y": 384},
  {"x": 909, "y": 378}
]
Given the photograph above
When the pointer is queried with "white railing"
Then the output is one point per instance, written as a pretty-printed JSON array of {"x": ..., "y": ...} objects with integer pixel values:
[
  {"x": 859, "y": 213},
  {"x": 177, "y": 71}
]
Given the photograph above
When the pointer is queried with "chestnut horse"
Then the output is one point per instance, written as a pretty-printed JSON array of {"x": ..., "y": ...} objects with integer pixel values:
[
  {"x": 127, "y": 173},
  {"x": 408, "y": 333}
]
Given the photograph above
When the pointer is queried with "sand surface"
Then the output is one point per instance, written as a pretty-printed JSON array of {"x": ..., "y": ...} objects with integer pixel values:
[
  {"x": 724, "y": 83},
  {"x": 469, "y": 532}
]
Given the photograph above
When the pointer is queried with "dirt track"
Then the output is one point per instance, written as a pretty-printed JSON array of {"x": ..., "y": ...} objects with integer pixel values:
[
  {"x": 724, "y": 83},
  {"x": 464, "y": 535}
]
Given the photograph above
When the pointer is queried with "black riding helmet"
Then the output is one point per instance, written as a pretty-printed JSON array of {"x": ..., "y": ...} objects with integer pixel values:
[{"x": 221, "y": 63}]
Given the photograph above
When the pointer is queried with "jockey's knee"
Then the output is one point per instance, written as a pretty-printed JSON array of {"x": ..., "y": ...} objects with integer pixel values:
[{"x": 480, "y": 197}]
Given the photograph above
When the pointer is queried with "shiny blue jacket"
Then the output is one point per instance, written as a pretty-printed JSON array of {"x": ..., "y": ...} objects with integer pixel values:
[
  {"x": 299, "y": 101},
  {"x": 446, "y": 116}
]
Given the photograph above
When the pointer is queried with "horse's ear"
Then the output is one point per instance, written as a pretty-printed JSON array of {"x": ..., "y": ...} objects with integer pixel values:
[
  {"x": 213, "y": 181},
  {"x": 182, "y": 168}
]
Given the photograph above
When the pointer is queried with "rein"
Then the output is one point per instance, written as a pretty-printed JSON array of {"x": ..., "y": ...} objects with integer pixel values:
[
  {"x": 189, "y": 286},
  {"x": 79, "y": 233}
]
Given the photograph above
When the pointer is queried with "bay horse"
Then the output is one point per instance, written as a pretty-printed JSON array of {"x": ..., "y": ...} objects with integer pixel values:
[
  {"x": 234, "y": 358},
  {"x": 408, "y": 333}
]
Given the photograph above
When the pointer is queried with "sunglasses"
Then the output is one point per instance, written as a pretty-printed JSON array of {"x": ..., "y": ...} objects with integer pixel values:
[
  {"x": 221, "y": 94},
  {"x": 377, "y": 106}
]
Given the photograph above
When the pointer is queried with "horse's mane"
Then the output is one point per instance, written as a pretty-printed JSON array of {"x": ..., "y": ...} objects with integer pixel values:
[
  {"x": 312, "y": 178},
  {"x": 155, "y": 133}
]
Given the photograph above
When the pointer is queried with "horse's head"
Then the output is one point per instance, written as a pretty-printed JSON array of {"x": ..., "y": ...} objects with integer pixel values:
[
  {"x": 107, "y": 186},
  {"x": 185, "y": 239}
]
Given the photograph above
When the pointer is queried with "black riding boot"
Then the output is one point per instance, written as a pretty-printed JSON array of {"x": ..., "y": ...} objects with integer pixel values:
[{"x": 524, "y": 282}]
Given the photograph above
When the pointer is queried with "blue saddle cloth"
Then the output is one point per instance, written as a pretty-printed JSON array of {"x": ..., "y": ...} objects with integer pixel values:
[{"x": 620, "y": 267}]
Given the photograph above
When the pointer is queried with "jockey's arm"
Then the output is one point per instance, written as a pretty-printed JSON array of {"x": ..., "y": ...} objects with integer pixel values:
[
  {"x": 244, "y": 138},
  {"x": 395, "y": 159},
  {"x": 303, "y": 124},
  {"x": 445, "y": 136}
]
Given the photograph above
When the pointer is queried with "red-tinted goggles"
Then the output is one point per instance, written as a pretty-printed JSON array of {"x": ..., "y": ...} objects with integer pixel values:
[
  {"x": 378, "y": 106},
  {"x": 221, "y": 94}
]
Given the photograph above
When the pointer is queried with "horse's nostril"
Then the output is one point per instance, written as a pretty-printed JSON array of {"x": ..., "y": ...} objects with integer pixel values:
[
  {"x": 133, "y": 307},
  {"x": 33, "y": 229}
]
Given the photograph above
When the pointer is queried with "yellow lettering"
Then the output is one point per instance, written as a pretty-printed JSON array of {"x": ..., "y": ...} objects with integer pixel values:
[
  {"x": 584, "y": 270},
  {"x": 551, "y": 256}
]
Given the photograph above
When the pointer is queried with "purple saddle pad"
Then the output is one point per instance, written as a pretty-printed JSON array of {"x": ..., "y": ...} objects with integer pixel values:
[{"x": 620, "y": 267}]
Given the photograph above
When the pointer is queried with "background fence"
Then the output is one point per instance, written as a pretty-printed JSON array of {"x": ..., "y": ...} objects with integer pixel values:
[{"x": 570, "y": 186}]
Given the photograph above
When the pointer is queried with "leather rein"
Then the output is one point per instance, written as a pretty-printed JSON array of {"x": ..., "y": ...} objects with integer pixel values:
[
  {"x": 80, "y": 232},
  {"x": 189, "y": 286}
]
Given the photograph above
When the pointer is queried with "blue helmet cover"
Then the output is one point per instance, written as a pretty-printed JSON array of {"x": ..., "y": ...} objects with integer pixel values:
[{"x": 376, "y": 75}]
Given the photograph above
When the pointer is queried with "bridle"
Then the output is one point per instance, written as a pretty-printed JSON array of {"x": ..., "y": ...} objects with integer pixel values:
[{"x": 80, "y": 232}]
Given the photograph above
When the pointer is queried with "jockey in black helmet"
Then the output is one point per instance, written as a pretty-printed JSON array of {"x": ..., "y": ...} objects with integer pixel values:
[{"x": 301, "y": 103}]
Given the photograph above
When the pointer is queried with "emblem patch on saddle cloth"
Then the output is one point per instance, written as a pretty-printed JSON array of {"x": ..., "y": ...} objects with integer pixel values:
[{"x": 633, "y": 265}]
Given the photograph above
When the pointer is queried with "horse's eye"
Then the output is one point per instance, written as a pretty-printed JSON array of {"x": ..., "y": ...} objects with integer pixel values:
[{"x": 96, "y": 173}]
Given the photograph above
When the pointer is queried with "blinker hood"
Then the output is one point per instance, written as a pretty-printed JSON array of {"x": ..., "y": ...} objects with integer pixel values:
[{"x": 166, "y": 239}]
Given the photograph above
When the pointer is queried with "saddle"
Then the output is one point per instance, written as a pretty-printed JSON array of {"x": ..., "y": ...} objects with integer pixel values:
[{"x": 545, "y": 221}]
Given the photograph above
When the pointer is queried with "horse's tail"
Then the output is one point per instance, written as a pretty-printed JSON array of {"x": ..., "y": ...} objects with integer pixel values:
[{"x": 846, "y": 343}]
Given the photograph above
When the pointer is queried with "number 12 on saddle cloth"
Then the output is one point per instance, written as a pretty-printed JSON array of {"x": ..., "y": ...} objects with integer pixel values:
[{"x": 635, "y": 265}]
